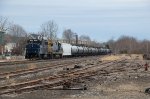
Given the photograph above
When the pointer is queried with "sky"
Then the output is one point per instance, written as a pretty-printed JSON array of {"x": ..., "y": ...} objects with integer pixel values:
[{"x": 100, "y": 19}]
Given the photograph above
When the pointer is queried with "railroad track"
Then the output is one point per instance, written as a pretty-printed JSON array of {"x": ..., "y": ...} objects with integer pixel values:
[
  {"x": 53, "y": 64},
  {"x": 57, "y": 80},
  {"x": 38, "y": 61},
  {"x": 19, "y": 62},
  {"x": 4, "y": 76}
]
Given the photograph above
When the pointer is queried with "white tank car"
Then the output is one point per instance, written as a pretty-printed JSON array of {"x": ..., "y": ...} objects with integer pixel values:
[
  {"x": 99, "y": 51},
  {"x": 77, "y": 50},
  {"x": 74, "y": 50},
  {"x": 90, "y": 50},
  {"x": 102, "y": 50},
  {"x": 93, "y": 51},
  {"x": 96, "y": 51},
  {"x": 86, "y": 50},
  {"x": 80, "y": 50}
]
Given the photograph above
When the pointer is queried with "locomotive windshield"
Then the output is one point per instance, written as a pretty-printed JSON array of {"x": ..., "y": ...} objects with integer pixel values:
[{"x": 35, "y": 41}]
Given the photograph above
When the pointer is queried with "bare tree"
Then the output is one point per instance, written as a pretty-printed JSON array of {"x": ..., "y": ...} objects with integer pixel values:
[
  {"x": 19, "y": 36},
  {"x": 49, "y": 30},
  {"x": 130, "y": 45},
  {"x": 111, "y": 43},
  {"x": 85, "y": 38},
  {"x": 4, "y": 28},
  {"x": 17, "y": 31},
  {"x": 145, "y": 46},
  {"x": 3, "y": 23},
  {"x": 68, "y": 35},
  {"x": 127, "y": 44},
  {"x": 95, "y": 43}
]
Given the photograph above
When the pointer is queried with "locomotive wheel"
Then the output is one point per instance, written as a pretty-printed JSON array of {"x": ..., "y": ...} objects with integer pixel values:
[
  {"x": 50, "y": 56},
  {"x": 41, "y": 56},
  {"x": 60, "y": 56},
  {"x": 54, "y": 56}
]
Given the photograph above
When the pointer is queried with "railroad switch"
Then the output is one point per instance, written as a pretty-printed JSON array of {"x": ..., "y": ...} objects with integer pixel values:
[
  {"x": 66, "y": 85},
  {"x": 66, "y": 69},
  {"x": 69, "y": 86},
  {"x": 84, "y": 87},
  {"x": 77, "y": 66}
]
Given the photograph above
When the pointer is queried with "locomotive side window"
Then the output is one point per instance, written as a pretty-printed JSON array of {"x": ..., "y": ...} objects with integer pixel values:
[{"x": 31, "y": 41}]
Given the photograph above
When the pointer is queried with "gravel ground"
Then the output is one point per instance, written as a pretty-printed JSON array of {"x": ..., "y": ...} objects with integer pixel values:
[
  {"x": 123, "y": 88},
  {"x": 129, "y": 84}
]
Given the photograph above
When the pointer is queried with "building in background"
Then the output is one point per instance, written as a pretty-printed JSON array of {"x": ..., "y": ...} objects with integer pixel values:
[{"x": 9, "y": 47}]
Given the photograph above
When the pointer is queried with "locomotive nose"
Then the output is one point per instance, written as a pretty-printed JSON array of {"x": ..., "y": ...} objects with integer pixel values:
[{"x": 32, "y": 51}]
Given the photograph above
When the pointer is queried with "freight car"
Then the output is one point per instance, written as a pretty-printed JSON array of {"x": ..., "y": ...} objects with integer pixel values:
[{"x": 47, "y": 49}]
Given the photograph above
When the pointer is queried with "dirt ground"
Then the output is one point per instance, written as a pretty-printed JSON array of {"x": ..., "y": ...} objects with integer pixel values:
[{"x": 129, "y": 84}]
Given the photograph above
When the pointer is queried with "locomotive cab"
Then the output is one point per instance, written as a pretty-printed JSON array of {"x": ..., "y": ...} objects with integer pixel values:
[
  {"x": 32, "y": 48},
  {"x": 54, "y": 49}
]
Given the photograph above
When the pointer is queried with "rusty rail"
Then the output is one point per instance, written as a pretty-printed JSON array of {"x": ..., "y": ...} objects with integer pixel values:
[{"x": 57, "y": 79}]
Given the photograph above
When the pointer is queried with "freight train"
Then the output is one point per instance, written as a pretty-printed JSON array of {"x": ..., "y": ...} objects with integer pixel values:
[{"x": 42, "y": 49}]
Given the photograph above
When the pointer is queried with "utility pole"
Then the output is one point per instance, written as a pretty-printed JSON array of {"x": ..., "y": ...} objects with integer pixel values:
[
  {"x": 2, "y": 41},
  {"x": 147, "y": 47},
  {"x": 76, "y": 39}
]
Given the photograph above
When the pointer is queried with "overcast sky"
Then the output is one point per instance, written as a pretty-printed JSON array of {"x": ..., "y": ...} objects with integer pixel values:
[{"x": 100, "y": 19}]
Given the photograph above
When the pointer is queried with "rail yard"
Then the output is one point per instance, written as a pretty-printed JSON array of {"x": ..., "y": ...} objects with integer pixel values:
[
  {"x": 103, "y": 76},
  {"x": 74, "y": 49}
]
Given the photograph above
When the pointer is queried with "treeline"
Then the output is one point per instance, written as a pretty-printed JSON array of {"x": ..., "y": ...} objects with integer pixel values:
[
  {"x": 17, "y": 34},
  {"x": 129, "y": 45},
  {"x": 14, "y": 33}
]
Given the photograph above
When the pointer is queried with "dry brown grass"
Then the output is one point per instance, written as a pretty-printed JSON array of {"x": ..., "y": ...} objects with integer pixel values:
[
  {"x": 111, "y": 58},
  {"x": 122, "y": 56},
  {"x": 32, "y": 66}
]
